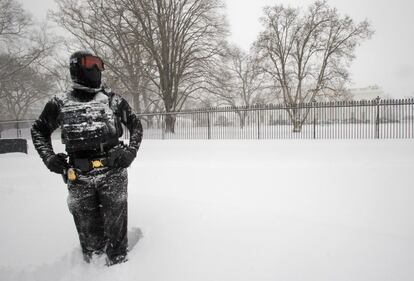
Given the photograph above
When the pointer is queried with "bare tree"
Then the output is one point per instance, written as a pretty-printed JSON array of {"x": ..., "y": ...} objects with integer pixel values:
[
  {"x": 13, "y": 20},
  {"x": 181, "y": 37},
  {"x": 57, "y": 69},
  {"x": 308, "y": 53},
  {"x": 238, "y": 80},
  {"x": 24, "y": 89},
  {"x": 20, "y": 39}
]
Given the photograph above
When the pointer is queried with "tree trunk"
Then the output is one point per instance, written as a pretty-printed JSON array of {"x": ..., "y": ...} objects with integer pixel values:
[
  {"x": 296, "y": 120},
  {"x": 150, "y": 121},
  {"x": 159, "y": 122},
  {"x": 297, "y": 126},
  {"x": 170, "y": 123},
  {"x": 135, "y": 101},
  {"x": 242, "y": 117}
]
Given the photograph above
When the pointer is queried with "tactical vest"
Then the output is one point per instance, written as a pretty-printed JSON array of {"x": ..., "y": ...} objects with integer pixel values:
[{"x": 90, "y": 125}]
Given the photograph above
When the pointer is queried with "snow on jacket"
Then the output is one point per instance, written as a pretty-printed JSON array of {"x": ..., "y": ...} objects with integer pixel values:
[{"x": 54, "y": 112}]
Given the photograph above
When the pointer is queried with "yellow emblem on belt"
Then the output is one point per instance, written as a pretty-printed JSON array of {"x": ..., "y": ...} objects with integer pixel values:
[
  {"x": 71, "y": 174},
  {"x": 97, "y": 164}
]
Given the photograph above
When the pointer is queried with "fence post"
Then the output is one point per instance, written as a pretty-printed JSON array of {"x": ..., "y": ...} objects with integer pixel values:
[
  {"x": 208, "y": 126},
  {"x": 377, "y": 121},
  {"x": 17, "y": 129},
  {"x": 314, "y": 118},
  {"x": 258, "y": 124},
  {"x": 162, "y": 126}
]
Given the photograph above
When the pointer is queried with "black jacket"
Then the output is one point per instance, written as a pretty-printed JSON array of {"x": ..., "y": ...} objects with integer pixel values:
[{"x": 48, "y": 121}]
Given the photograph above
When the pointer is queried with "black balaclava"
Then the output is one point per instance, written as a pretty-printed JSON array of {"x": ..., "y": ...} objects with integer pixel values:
[{"x": 90, "y": 78}]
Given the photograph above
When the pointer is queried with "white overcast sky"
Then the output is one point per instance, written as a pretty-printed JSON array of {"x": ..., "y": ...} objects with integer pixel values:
[{"x": 387, "y": 60}]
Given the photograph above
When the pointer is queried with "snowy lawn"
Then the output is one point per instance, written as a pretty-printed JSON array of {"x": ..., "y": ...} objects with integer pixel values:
[{"x": 228, "y": 211}]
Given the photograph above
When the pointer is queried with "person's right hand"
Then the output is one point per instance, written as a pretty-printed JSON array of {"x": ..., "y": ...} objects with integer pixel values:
[
  {"x": 57, "y": 163},
  {"x": 121, "y": 156}
]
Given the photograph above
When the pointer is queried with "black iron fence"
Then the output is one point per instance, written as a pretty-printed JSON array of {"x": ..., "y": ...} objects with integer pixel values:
[
  {"x": 377, "y": 118},
  {"x": 317, "y": 120}
]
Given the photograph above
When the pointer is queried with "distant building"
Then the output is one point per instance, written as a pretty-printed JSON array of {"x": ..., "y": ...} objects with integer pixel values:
[{"x": 367, "y": 93}]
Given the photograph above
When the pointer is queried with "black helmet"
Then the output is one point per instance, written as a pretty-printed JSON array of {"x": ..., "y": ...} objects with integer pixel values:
[{"x": 85, "y": 69}]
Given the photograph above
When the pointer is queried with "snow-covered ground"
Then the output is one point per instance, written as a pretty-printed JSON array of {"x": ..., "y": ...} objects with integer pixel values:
[{"x": 228, "y": 211}]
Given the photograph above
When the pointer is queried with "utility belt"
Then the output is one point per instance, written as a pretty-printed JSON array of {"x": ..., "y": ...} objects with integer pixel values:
[
  {"x": 103, "y": 160},
  {"x": 87, "y": 164},
  {"x": 84, "y": 165}
]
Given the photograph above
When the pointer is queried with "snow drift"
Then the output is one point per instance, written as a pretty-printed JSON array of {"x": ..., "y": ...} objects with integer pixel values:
[{"x": 228, "y": 210}]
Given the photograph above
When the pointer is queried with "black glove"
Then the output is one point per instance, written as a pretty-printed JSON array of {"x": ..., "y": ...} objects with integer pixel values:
[
  {"x": 122, "y": 156},
  {"x": 57, "y": 163}
]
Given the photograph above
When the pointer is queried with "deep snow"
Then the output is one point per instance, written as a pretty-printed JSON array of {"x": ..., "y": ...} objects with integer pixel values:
[{"x": 228, "y": 210}]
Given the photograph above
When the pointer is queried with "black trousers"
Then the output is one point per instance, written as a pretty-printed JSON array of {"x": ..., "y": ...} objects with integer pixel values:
[{"x": 98, "y": 203}]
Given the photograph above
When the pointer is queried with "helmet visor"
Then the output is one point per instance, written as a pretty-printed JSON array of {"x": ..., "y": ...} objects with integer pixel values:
[{"x": 89, "y": 62}]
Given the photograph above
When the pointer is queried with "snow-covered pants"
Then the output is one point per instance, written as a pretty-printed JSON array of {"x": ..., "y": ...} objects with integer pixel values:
[{"x": 98, "y": 203}]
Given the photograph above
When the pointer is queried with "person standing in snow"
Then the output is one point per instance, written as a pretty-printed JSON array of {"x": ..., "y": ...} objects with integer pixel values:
[{"x": 90, "y": 118}]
